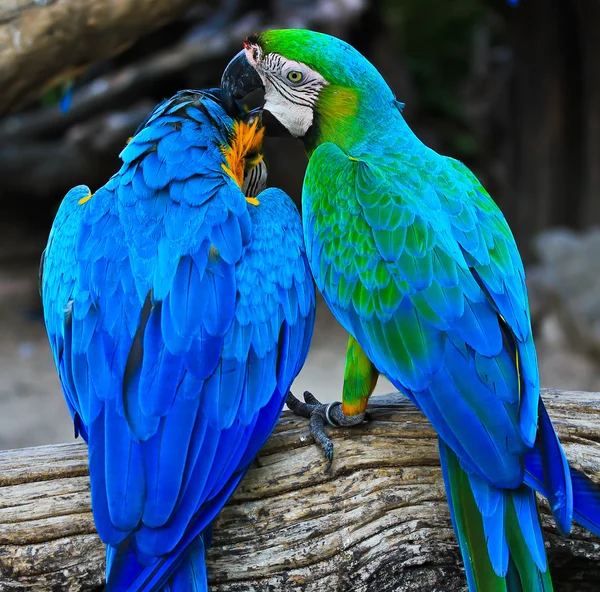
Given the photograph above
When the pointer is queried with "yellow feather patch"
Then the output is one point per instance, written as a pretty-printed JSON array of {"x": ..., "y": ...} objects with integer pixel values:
[
  {"x": 253, "y": 201},
  {"x": 355, "y": 407},
  {"x": 256, "y": 160},
  {"x": 338, "y": 107},
  {"x": 246, "y": 138},
  {"x": 339, "y": 101},
  {"x": 86, "y": 198}
]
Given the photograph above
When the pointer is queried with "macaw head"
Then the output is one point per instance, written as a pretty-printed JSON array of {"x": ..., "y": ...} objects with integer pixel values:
[{"x": 318, "y": 87}]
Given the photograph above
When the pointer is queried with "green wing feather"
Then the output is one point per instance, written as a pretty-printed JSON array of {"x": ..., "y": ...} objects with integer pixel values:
[{"x": 402, "y": 258}]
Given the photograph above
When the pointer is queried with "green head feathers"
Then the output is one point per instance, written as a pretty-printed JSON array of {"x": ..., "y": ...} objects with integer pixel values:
[
  {"x": 319, "y": 87},
  {"x": 337, "y": 61}
]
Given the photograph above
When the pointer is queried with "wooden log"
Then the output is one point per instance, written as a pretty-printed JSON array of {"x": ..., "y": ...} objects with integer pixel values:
[
  {"x": 42, "y": 42},
  {"x": 377, "y": 521}
]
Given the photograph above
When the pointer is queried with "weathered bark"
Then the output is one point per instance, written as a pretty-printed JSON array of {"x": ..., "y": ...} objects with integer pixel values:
[
  {"x": 42, "y": 43},
  {"x": 377, "y": 521}
]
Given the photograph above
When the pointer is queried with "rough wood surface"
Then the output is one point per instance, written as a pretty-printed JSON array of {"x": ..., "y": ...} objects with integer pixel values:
[
  {"x": 45, "y": 41},
  {"x": 377, "y": 521}
]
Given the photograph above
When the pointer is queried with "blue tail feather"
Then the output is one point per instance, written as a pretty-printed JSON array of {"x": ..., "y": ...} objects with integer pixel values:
[
  {"x": 190, "y": 576},
  {"x": 571, "y": 494},
  {"x": 491, "y": 503},
  {"x": 585, "y": 493},
  {"x": 129, "y": 575},
  {"x": 547, "y": 471},
  {"x": 586, "y": 501},
  {"x": 529, "y": 521}
]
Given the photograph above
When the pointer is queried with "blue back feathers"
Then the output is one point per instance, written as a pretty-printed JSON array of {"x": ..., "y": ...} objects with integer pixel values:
[{"x": 178, "y": 315}]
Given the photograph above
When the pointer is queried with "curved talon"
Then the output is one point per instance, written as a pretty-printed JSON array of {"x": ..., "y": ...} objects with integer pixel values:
[
  {"x": 317, "y": 431},
  {"x": 320, "y": 414}
]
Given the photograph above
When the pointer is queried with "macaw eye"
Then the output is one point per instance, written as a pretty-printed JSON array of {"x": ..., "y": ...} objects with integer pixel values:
[{"x": 294, "y": 76}]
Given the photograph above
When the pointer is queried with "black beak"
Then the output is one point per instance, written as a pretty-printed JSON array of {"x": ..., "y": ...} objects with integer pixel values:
[{"x": 239, "y": 79}]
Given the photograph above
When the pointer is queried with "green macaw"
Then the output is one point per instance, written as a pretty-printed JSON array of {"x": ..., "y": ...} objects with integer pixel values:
[{"x": 417, "y": 262}]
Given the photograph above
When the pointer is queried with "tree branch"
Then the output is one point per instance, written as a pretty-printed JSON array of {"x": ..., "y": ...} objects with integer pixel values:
[
  {"x": 111, "y": 89},
  {"x": 377, "y": 521},
  {"x": 42, "y": 43}
]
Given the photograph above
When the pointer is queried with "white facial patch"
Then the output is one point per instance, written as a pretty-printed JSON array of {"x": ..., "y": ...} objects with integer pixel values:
[
  {"x": 297, "y": 119},
  {"x": 291, "y": 88}
]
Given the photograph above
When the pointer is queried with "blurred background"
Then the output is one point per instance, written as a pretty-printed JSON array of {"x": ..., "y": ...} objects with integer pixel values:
[{"x": 510, "y": 88}]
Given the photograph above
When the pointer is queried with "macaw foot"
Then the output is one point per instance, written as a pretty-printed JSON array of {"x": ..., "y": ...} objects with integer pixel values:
[{"x": 320, "y": 414}]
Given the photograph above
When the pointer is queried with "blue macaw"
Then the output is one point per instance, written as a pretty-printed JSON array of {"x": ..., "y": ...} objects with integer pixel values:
[{"x": 179, "y": 307}]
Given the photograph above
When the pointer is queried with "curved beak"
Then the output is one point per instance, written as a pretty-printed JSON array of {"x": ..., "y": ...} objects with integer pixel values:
[{"x": 239, "y": 79}]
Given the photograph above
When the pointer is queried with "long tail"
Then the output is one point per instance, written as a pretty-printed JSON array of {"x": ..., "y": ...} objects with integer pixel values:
[
  {"x": 189, "y": 575},
  {"x": 571, "y": 493},
  {"x": 498, "y": 532}
]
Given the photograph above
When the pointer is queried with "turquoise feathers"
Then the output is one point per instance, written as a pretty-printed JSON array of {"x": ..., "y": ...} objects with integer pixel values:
[
  {"x": 418, "y": 264},
  {"x": 178, "y": 314}
]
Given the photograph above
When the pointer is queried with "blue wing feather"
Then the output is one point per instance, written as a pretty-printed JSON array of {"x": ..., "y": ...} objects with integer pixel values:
[{"x": 166, "y": 459}]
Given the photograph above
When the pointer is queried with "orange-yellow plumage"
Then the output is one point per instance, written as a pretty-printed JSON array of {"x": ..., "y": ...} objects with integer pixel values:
[{"x": 244, "y": 149}]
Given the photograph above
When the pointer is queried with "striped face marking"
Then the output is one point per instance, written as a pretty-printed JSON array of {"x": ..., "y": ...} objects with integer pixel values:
[
  {"x": 255, "y": 179},
  {"x": 291, "y": 88}
]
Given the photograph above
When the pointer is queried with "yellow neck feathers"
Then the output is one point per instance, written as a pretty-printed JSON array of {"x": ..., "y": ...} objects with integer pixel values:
[{"x": 243, "y": 151}]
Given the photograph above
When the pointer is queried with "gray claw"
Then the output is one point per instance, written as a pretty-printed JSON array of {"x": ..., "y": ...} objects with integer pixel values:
[
  {"x": 317, "y": 431},
  {"x": 328, "y": 451},
  {"x": 311, "y": 399},
  {"x": 319, "y": 414},
  {"x": 298, "y": 407}
]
